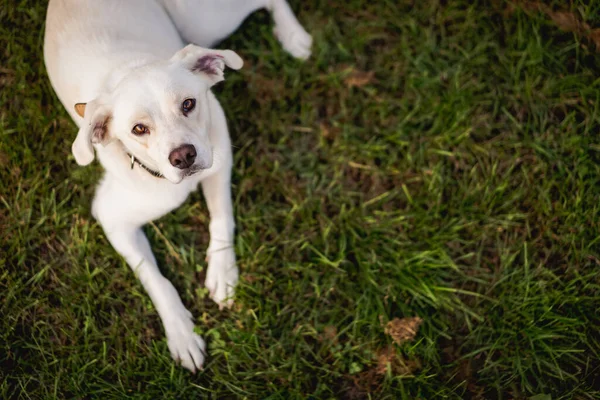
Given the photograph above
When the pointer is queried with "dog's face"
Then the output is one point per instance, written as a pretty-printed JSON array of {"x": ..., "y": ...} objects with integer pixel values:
[
  {"x": 159, "y": 113},
  {"x": 161, "y": 116}
]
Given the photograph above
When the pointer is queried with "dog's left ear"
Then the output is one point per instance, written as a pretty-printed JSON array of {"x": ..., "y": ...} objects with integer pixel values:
[{"x": 208, "y": 62}]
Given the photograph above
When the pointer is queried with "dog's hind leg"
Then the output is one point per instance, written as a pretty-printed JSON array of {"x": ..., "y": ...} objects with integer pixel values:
[
  {"x": 207, "y": 22},
  {"x": 290, "y": 33}
]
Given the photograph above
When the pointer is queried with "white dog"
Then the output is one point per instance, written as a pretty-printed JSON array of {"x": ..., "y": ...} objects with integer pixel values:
[{"x": 142, "y": 100}]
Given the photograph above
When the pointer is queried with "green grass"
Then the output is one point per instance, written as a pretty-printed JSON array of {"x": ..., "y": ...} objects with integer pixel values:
[{"x": 460, "y": 184}]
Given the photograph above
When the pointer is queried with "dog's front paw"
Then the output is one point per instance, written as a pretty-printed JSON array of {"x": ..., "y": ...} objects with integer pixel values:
[
  {"x": 222, "y": 276},
  {"x": 294, "y": 39},
  {"x": 185, "y": 345}
]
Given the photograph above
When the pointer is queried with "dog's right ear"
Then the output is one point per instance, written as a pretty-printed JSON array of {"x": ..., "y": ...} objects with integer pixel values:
[{"x": 94, "y": 129}]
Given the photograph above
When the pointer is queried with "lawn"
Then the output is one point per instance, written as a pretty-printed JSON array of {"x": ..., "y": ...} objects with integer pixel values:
[{"x": 433, "y": 161}]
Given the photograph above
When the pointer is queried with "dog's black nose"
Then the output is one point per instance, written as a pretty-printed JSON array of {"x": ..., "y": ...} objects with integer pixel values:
[{"x": 183, "y": 157}]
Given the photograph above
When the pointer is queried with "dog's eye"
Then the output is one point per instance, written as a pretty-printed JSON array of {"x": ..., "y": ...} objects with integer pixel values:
[
  {"x": 188, "y": 105},
  {"x": 140, "y": 130}
]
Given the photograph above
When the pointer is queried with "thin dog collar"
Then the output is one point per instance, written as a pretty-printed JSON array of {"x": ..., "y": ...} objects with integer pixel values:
[{"x": 134, "y": 161}]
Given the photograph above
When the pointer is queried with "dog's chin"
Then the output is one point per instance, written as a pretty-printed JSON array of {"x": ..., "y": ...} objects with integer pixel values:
[
  {"x": 174, "y": 180},
  {"x": 174, "y": 177},
  {"x": 179, "y": 176},
  {"x": 194, "y": 169}
]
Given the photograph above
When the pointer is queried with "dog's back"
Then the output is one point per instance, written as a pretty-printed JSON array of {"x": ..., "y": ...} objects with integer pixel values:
[{"x": 102, "y": 35}]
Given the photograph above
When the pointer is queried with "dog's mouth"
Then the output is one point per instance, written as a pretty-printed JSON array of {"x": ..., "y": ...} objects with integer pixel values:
[{"x": 194, "y": 169}]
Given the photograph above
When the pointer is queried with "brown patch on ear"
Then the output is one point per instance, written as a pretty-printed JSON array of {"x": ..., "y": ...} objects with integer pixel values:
[
  {"x": 80, "y": 109},
  {"x": 212, "y": 64},
  {"x": 100, "y": 131}
]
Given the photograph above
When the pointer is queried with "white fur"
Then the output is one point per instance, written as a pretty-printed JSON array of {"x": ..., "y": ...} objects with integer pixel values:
[{"x": 127, "y": 61}]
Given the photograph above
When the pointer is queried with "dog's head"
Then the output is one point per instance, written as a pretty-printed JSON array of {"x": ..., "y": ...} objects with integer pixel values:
[{"x": 159, "y": 112}]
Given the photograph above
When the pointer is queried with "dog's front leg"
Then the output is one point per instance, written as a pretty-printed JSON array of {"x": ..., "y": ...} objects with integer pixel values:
[
  {"x": 222, "y": 273},
  {"x": 131, "y": 243}
]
